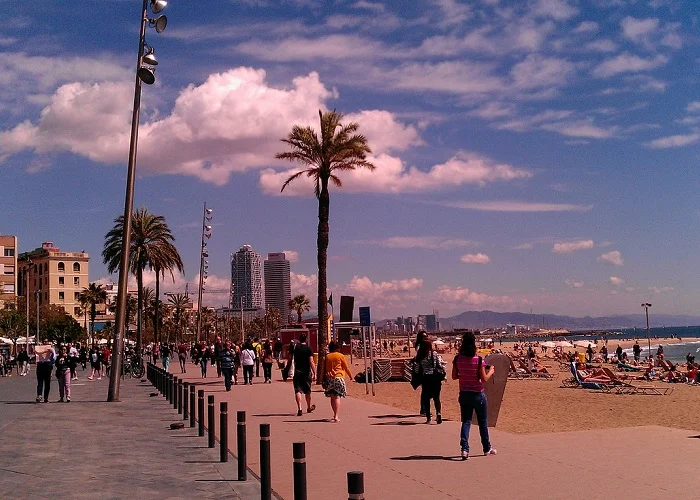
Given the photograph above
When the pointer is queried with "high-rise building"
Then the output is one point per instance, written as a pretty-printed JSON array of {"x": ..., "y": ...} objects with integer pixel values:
[
  {"x": 8, "y": 270},
  {"x": 247, "y": 279},
  {"x": 278, "y": 290},
  {"x": 59, "y": 277}
]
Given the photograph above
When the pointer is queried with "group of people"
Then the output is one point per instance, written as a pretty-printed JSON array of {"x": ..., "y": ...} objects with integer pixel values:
[{"x": 469, "y": 369}]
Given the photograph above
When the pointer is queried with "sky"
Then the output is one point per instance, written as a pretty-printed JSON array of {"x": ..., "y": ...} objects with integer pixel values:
[{"x": 535, "y": 155}]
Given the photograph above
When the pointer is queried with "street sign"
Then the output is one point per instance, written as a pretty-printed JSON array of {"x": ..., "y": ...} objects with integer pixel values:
[{"x": 364, "y": 316}]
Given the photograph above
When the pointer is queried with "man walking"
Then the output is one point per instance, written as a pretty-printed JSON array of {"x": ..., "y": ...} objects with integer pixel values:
[
  {"x": 45, "y": 358},
  {"x": 257, "y": 347},
  {"x": 304, "y": 373},
  {"x": 637, "y": 350},
  {"x": 226, "y": 361},
  {"x": 23, "y": 362},
  {"x": 218, "y": 346},
  {"x": 73, "y": 361}
]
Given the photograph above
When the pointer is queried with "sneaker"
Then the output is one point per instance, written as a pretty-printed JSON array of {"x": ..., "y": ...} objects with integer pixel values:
[
  {"x": 310, "y": 408},
  {"x": 90, "y": 378},
  {"x": 465, "y": 455},
  {"x": 300, "y": 413},
  {"x": 60, "y": 400},
  {"x": 46, "y": 400},
  {"x": 438, "y": 418},
  {"x": 68, "y": 400},
  {"x": 492, "y": 451},
  {"x": 428, "y": 418},
  {"x": 38, "y": 399},
  {"x": 99, "y": 378}
]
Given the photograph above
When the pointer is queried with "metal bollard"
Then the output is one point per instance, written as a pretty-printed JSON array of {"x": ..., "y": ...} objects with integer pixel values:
[
  {"x": 356, "y": 485},
  {"x": 223, "y": 431},
  {"x": 241, "y": 442},
  {"x": 174, "y": 400},
  {"x": 186, "y": 400},
  {"x": 200, "y": 411},
  {"x": 299, "y": 454},
  {"x": 210, "y": 421},
  {"x": 179, "y": 396},
  {"x": 192, "y": 410},
  {"x": 265, "y": 469},
  {"x": 170, "y": 388}
]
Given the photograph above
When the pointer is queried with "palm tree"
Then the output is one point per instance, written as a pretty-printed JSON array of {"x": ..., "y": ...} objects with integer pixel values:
[
  {"x": 89, "y": 298},
  {"x": 164, "y": 258},
  {"x": 300, "y": 304},
  {"x": 150, "y": 241},
  {"x": 340, "y": 148},
  {"x": 180, "y": 302}
]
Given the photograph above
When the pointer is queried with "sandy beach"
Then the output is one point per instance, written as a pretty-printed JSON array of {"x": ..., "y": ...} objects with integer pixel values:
[{"x": 542, "y": 406}]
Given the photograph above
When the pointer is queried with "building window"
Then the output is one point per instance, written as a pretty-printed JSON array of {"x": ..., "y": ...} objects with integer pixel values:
[
  {"x": 8, "y": 288},
  {"x": 61, "y": 267},
  {"x": 76, "y": 267},
  {"x": 61, "y": 296},
  {"x": 76, "y": 311},
  {"x": 9, "y": 269},
  {"x": 76, "y": 296},
  {"x": 46, "y": 267},
  {"x": 76, "y": 281},
  {"x": 9, "y": 252},
  {"x": 61, "y": 281}
]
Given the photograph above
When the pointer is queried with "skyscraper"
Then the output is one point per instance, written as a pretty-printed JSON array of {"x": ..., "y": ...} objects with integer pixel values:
[
  {"x": 278, "y": 291},
  {"x": 246, "y": 279}
]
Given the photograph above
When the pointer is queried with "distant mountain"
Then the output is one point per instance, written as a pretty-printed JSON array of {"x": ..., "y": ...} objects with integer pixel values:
[{"x": 491, "y": 319}]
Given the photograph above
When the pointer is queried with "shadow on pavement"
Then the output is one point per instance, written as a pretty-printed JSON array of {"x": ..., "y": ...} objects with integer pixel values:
[
  {"x": 274, "y": 414},
  {"x": 400, "y": 422},
  {"x": 394, "y": 416},
  {"x": 314, "y": 421},
  {"x": 429, "y": 457}
]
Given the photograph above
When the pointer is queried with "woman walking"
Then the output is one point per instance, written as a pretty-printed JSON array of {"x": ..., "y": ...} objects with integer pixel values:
[
  {"x": 336, "y": 367},
  {"x": 203, "y": 360},
  {"x": 248, "y": 362},
  {"x": 63, "y": 375},
  {"x": 267, "y": 359},
  {"x": 468, "y": 368},
  {"x": 433, "y": 370},
  {"x": 95, "y": 364}
]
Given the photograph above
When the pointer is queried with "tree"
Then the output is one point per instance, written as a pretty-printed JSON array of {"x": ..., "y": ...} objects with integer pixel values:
[
  {"x": 89, "y": 298},
  {"x": 300, "y": 304},
  {"x": 150, "y": 237},
  {"x": 12, "y": 324},
  {"x": 340, "y": 148},
  {"x": 57, "y": 325},
  {"x": 164, "y": 258},
  {"x": 180, "y": 302}
]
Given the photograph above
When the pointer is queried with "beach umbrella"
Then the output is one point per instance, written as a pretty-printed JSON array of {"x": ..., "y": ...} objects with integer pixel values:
[
  {"x": 487, "y": 340},
  {"x": 102, "y": 341},
  {"x": 548, "y": 344},
  {"x": 438, "y": 342},
  {"x": 5, "y": 340},
  {"x": 583, "y": 343},
  {"x": 564, "y": 343}
]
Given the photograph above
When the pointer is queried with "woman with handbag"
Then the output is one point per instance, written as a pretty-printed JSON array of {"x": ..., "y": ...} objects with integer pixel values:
[
  {"x": 432, "y": 367},
  {"x": 335, "y": 369},
  {"x": 468, "y": 368}
]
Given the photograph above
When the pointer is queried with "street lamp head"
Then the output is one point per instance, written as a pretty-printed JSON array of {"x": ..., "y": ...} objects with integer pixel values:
[
  {"x": 147, "y": 75},
  {"x": 209, "y": 210},
  {"x": 205, "y": 254},
  {"x": 150, "y": 57},
  {"x": 159, "y": 23},
  {"x": 158, "y": 5},
  {"x": 207, "y": 228}
]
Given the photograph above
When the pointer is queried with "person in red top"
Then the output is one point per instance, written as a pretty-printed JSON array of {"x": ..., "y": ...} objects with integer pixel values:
[
  {"x": 182, "y": 356},
  {"x": 105, "y": 361},
  {"x": 467, "y": 367}
]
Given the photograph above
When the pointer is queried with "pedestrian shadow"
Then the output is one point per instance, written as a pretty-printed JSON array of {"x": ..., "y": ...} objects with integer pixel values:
[
  {"x": 273, "y": 414},
  {"x": 429, "y": 457},
  {"x": 202, "y": 461},
  {"x": 313, "y": 421},
  {"x": 399, "y": 422},
  {"x": 394, "y": 416},
  {"x": 694, "y": 437},
  {"x": 19, "y": 402}
]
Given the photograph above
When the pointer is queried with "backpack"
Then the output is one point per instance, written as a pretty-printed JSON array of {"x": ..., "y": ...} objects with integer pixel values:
[{"x": 438, "y": 369}]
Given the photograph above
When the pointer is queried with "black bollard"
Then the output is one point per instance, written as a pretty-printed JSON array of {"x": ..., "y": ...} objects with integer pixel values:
[
  {"x": 200, "y": 411},
  {"x": 265, "y": 469},
  {"x": 223, "y": 431},
  {"x": 174, "y": 400},
  {"x": 192, "y": 410},
  {"x": 299, "y": 454},
  {"x": 241, "y": 442},
  {"x": 170, "y": 388},
  {"x": 356, "y": 485},
  {"x": 210, "y": 421},
  {"x": 186, "y": 400},
  {"x": 179, "y": 396}
]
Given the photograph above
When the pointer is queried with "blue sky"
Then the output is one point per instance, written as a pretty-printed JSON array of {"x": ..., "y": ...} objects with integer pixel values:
[{"x": 530, "y": 155}]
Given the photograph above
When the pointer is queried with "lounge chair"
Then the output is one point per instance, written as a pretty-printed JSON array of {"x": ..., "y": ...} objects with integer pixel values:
[
  {"x": 576, "y": 381},
  {"x": 624, "y": 387},
  {"x": 516, "y": 372},
  {"x": 535, "y": 374}
]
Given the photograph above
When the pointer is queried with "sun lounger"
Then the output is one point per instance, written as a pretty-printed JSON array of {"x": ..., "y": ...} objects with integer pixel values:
[
  {"x": 625, "y": 387},
  {"x": 576, "y": 381},
  {"x": 534, "y": 374},
  {"x": 516, "y": 372}
]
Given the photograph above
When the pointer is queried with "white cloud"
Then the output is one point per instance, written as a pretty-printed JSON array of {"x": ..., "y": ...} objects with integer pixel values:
[
  {"x": 392, "y": 176},
  {"x": 639, "y": 30},
  {"x": 572, "y": 246},
  {"x": 492, "y": 110},
  {"x": 427, "y": 242},
  {"x": 475, "y": 258},
  {"x": 657, "y": 290},
  {"x": 693, "y": 107},
  {"x": 559, "y": 10},
  {"x": 523, "y": 246},
  {"x": 454, "y": 12},
  {"x": 458, "y": 296},
  {"x": 614, "y": 258},
  {"x": 302, "y": 284},
  {"x": 291, "y": 255},
  {"x": 587, "y": 27},
  {"x": 615, "y": 281},
  {"x": 602, "y": 45},
  {"x": 517, "y": 206},
  {"x": 574, "y": 283},
  {"x": 536, "y": 71},
  {"x": 627, "y": 63},
  {"x": 674, "y": 141},
  {"x": 337, "y": 47}
]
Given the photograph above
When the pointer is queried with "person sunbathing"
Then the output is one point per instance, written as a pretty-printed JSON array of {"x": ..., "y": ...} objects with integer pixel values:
[
  {"x": 537, "y": 367},
  {"x": 594, "y": 375}
]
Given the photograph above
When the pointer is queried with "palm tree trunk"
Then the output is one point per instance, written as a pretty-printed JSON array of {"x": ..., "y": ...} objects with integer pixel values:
[
  {"x": 139, "y": 309},
  {"x": 155, "y": 315},
  {"x": 93, "y": 315},
  {"x": 299, "y": 315},
  {"x": 322, "y": 246}
]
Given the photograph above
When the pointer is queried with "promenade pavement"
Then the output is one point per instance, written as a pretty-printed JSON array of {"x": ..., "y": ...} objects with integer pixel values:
[
  {"x": 402, "y": 458},
  {"x": 93, "y": 449}
]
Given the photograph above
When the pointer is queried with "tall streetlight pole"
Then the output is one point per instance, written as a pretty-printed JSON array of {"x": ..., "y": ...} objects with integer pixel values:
[
  {"x": 26, "y": 298},
  {"x": 646, "y": 307},
  {"x": 203, "y": 265},
  {"x": 144, "y": 72}
]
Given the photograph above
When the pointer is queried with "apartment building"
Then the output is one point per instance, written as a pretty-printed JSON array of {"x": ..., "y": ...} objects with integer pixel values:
[
  {"x": 278, "y": 291},
  {"x": 8, "y": 271},
  {"x": 57, "y": 276}
]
